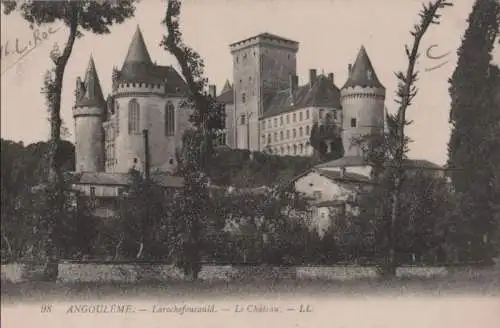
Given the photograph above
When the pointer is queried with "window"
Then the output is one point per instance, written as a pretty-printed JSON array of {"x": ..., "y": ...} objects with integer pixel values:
[
  {"x": 275, "y": 136},
  {"x": 301, "y": 131},
  {"x": 263, "y": 125},
  {"x": 269, "y": 138},
  {"x": 307, "y": 130},
  {"x": 288, "y": 119},
  {"x": 369, "y": 75},
  {"x": 294, "y": 133},
  {"x": 281, "y": 136},
  {"x": 294, "y": 118},
  {"x": 281, "y": 120},
  {"x": 335, "y": 115},
  {"x": 237, "y": 59},
  {"x": 269, "y": 123},
  {"x": 321, "y": 113},
  {"x": 301, "y": 148},
  {"x": 295, "y": 149},
  {"x": 307, "y": 114},
  {"x": 353, "y": 122},
  {"x": 287, "y": 134},
  {"x": 242, "y": 120},
  {"x": 317, "y": 194},
  {"x": 275, "y": 122},
  {"x": 133, "y": 117},
  {"x": 169, "y": 119},
  {"x": 243, "y": 97},
  {"x": 282, "y": 150},
  {"x": 288, "y": 149},
  {"x": 300, "y": 116}
]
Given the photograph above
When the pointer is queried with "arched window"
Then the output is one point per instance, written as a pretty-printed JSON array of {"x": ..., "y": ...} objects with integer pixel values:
[
  {"x": 301, "y": 131},
  {"x": 301, "y": 148},
  {"x": 288, "y": 149},
  {"x": 295, "y": 149},
  {"x": 294, "y": 133},
  {"x": 307, "y": 130},
  {"x": 133, "y": 117},
  {"x": 269, "y": 138},
  {"x": 281, "y": 135},
  {"x": 169, "y": 119}
]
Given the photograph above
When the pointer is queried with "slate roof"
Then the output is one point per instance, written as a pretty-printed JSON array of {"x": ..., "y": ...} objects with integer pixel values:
[
  {"x": 321, "y": 93},
  {"x": 90, "y": 88},
  {"x": 122, "y": 179},
  {"x": 138, "y": 68},
  {"x": 226, "y": 95},
  {"x": 362, "y": 72}
]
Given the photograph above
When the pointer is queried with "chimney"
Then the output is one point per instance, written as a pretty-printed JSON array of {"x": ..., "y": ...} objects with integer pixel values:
[
  {"x": 349, "y": 69},
  {"x": 312, "y": 76},
  {"x": 330, "y": 78},
  {"x": 146, "y": 153},
  {"x": 212, "y": 91}
]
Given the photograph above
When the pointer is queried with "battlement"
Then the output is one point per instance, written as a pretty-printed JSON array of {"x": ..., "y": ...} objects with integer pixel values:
[
  {"x": 139, "y": 87},
  {"x": 265, "y": 39},
  {"x": 87, "y": 111},
  {"x": 362, "y": 92}
]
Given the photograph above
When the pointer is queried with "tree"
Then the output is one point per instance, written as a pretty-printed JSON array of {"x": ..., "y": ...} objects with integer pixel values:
[
  {"x": 387, "y": 151},
  {"x": 324, "y": 135},
  {"x": 197, "y": 143},
  {"x": 77, "y": 16},
  {"x": 474, "y": 144}
]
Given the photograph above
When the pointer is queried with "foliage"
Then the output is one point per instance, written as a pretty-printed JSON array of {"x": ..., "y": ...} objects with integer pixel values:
[
  {"x": 77, "y": 16},
  {"x": 323, "y": 133},
  {"x": 474, "y": 145}
]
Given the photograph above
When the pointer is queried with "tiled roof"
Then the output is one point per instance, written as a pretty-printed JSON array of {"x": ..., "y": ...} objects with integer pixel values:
[
  {"x": 322, "y": 93},
  {"x": 362, "y": 73},
  {"x": 266, "y": 36},
  {"x": 348, "y": 176},
  {"x": 91, "y": 92},
  {"x": 123, "y": 179},
  {"x": 360, "y": 161}
]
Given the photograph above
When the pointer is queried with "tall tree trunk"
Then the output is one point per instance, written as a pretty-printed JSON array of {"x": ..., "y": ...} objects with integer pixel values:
[{"x": 55, "y": 173}]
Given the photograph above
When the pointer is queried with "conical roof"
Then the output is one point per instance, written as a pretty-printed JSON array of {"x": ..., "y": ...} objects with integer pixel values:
[
  {"x": 227, "y": 87},
  {"x": 92, "y": 93},
  {"x": 137, "y": 64},
  {"x": 362, "y": 73}
]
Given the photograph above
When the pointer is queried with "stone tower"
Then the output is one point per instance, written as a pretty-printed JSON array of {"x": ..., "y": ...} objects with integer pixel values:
[
  {"x": 148, "y": 97},
  {"x": 362, "y": 99},
  {"x": 261, "y": 65},
  {"x": 88, "y": 112}
]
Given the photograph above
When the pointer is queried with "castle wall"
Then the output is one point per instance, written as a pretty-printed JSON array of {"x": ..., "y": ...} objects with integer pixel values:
[
  {"x": 281, "y": 134},
  {"x": 130, "y": 146},
  {"x": 366, "y": 107},
  {"x": 89, "y": 136}
]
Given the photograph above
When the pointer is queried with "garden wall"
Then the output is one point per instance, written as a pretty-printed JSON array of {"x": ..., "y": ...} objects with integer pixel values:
[{"x": 71, "y": 272}]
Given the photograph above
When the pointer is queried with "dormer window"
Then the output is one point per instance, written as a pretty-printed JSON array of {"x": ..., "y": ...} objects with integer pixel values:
[{"x": 369, "y": 75}]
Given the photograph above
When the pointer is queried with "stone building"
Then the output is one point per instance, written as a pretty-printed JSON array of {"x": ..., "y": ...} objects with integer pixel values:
[{"x": 138, "y": 126}]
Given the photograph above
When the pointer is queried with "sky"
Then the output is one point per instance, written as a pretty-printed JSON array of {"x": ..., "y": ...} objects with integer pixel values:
[{"x": 330, "y": 33}]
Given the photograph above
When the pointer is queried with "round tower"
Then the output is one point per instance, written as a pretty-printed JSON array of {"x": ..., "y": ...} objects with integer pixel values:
[
  {"x": 362, "y": 99},
  {"x": 88, "y": 112},
  {"x": 148, "y": 97}
]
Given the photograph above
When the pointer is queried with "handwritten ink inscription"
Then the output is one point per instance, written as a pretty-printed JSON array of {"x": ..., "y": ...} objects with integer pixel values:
[
  {"x": 430, "y": 55},
  {"x": 21, "y": 47}
]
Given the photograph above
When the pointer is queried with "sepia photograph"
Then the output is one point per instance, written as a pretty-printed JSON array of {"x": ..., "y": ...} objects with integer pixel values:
[{"x": 241, "y": 163}]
